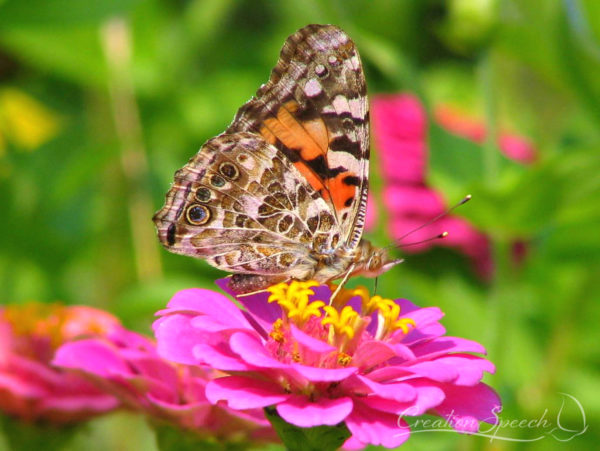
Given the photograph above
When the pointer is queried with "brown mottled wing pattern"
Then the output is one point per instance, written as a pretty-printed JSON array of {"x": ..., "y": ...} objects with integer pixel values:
[
  {"x": 314, "y": 110},
  {"x": 245, "y": 208}
]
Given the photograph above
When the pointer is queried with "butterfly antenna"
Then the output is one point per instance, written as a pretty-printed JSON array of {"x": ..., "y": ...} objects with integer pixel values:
[
  {"x": 441, "y": 236},
  {"x": 463, "y": 201}
]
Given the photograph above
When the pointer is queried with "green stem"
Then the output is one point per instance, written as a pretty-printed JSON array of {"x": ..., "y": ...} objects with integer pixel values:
[
  {"x": 134, "y": 162},
  {"x": 491, "y": 154}
]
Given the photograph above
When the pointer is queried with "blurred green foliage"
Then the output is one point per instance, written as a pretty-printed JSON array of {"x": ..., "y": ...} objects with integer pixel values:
[{"x": 101, "y": 101}]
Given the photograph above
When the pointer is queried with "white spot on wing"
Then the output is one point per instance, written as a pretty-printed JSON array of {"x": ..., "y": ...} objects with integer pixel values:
[
  {"x": 340, "y": 103},
  {"x": 357, "y": 108},
  {"x": 313, "y": 88}
]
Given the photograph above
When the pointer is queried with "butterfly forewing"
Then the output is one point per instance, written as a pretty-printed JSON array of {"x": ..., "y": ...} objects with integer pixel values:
[{"x": 314, "y": 109}]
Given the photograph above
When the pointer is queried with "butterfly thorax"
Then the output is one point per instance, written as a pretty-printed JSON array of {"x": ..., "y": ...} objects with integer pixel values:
[{"x": 365, "y": 260}]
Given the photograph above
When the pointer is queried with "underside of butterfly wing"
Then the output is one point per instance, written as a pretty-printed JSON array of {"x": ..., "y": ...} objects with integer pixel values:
[{"x": 244, "y": 209}]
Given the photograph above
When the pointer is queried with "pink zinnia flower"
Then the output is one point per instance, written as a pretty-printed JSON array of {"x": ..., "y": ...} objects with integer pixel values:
[
  {"x": 365, "y": 361},
  {"x": 400, "y": 129},
  {"x": 30, "y": 388},
  {"x": 127, "y": 365}
]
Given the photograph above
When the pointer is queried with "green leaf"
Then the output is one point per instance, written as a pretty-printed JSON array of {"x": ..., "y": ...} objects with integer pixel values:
[
  {"x": 16, "y": 13},
  {"x": 73, "y": 53},
  {"x": 321, "y": 438},
  {"x": 453, "y": 159},
  {"x": 28, "y": 436},
  {"x": 169, "y": 438}
]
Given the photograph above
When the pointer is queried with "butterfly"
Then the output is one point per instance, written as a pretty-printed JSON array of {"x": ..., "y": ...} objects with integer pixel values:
[{"x": 281, "y": 194}]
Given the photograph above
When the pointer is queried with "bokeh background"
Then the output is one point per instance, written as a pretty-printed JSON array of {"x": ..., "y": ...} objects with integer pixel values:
[{"x": 101, "y": 101}]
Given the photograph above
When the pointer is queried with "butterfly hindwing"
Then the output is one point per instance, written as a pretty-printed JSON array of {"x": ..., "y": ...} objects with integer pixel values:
[
  {"x": 245, "y": 209},
  {"x": 314, "y": 109}
]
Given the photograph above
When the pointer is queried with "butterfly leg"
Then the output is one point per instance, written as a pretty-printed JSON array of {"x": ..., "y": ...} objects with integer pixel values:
[
  {"x": 344, "y": 280},
  {"x": 245, "y": 284}
]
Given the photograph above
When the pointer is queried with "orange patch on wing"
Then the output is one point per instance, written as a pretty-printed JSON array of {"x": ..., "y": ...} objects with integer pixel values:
[
  {"x": 340, "y": 191},
  {"x": 309, "y": 138},
  {"x": 312, "y": 178}
]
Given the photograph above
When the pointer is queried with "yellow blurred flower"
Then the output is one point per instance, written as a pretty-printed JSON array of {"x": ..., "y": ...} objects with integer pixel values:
[{"x": 24, "y": 121}]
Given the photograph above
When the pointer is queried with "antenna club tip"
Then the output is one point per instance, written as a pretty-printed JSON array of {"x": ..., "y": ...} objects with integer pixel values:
[
  {"x": 468, "y": 197},
  {"x": 444, "y": 234}
]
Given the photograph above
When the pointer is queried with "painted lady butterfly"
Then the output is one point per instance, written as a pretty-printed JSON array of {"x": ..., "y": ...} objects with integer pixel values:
[{"x": 282, "y": 193}]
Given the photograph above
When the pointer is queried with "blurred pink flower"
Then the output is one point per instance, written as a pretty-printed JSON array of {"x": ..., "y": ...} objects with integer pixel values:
[
  {"x": 400, "y": 129},
  {"x": 30, "y": 388},
  {"x": 365, "y": 361},
  {"x": 513, "y": 146},
  {"x": 127, "y": 365}
]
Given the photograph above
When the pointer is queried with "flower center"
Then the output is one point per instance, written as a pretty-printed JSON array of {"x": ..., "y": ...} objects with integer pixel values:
[
  {"x": 341, "y": 324},
  {"x": 54, "y": 323}
]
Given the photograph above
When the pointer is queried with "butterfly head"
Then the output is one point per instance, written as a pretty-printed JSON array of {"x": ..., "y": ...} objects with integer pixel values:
[{"x": 372, "y": 261}]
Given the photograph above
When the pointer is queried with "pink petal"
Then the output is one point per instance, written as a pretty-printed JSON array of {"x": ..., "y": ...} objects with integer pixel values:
[
  {"x": 371, "y": 353},
  {"x": 314, "y": 374},
  {"x": 470, "y": 368},
  {"x": 400, "y": 392},
  {"x": 244, "y": 393},
  {"x": 312, "y": 344},
  {"x": 219, "y": 358},
  {"x": 212, "y": 324},
  {"x": 377, "y": 428},
  {"x": 91, "y": 356},
  {"x": 21, "y": 387},
  {"x": 176, "y": 338},
  {"x": 413, "y": 200},
  {"x": 298, "y": 410},
  {"x": 353, "y": 444},
  {"x": 208, "y": 302},
  {"x": 517, "y": 148},
  {"x": 264, "y": 313},
  {"x": 465, "y": 406},
  {"x": 406, "y": 163},
  {"x": 371, "y": 215},
  {"x": 445, "y": 345},
  {"x": 253, "y": 351},
  {"x": 81, "y": 402},
  {"x": 436, "y": 370},
  {"x": 428, "y": 396}
]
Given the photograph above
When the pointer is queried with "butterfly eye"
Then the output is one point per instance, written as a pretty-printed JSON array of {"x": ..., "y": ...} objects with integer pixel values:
[
  {"x": 375, "y": 262},
  {"x": 203, "y": 194},
  {"x": 198, "y": 215},
  {"x": 217, "y": 180},
  {"x": 229, "y": 170}
]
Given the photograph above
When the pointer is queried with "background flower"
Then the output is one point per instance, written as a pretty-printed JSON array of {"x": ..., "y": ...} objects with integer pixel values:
[
  {"x": 126, "y": 365},
  {"x": 30, "y": 388},
  {"x": 400, "y": 133}
]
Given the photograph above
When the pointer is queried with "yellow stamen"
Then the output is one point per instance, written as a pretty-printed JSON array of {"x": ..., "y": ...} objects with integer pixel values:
[
  {"x": 276, "y": 334},
  {"x": 344, "y": 359},
  {"x": 342, "y": 323},
  {"x": 344, "y": 295},
  {"x": 294, "y": 300},
  {"x": 389, "y": 311}
]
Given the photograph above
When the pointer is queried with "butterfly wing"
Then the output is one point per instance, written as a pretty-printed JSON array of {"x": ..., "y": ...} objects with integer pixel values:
[
  {"x": 314, "y": 110},
  {"x": 246, "y": 209}
]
